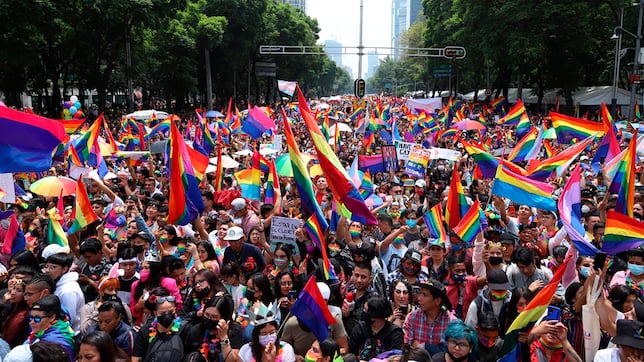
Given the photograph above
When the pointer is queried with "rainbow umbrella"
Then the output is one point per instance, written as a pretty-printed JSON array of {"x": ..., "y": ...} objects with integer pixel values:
[
  {"x": 283, "y": 164},
  {"x": 468, "y": 124},
  {"x": 53, "y": 185}
]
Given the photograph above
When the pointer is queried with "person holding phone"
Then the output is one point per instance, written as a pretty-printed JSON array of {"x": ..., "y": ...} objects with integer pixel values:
[
  {"x": 286, "y": 291},
  {"x": 549, "y": 341}
]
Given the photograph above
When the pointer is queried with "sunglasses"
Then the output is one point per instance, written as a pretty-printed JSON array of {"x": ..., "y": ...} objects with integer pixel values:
[
  {"x": 161, "y": 300},
  {"x": 37, "y": 319}
]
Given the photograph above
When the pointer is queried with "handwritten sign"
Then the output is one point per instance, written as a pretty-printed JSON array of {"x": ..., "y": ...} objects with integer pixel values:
[
  {"x": 403, "y": 149},
  {"x": 283, "y": 232},
  {"x": 417, "y": 163}
]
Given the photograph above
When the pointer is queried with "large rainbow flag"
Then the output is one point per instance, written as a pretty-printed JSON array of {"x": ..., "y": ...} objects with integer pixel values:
[
  {"x": 568, "y": 128},
  {"x": 457, "y": 205},
  {"x": 435, "y": 223},
  {"x": 83, "y": 214},
  {"x": 624, "y": 179},
  {"x": 514, "y": 115},
  {"x": 560, "y": 162},
  {"x": 470, "y": 225},
  {"x": 523, "y": 190},
  {"x": 622, "y": 233}
]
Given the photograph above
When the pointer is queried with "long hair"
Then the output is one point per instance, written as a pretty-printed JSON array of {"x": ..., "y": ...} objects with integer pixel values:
[
  {"x": 210, "y": 250},
  {"x": 277, "y": 287},
  {"x": 257, "y": 348},
  {"x": 103, "y": 344},
  {"x": 154, "y": 280},
  {"x": 262, "y": 284},
  {"x": 216, "y": 285}
]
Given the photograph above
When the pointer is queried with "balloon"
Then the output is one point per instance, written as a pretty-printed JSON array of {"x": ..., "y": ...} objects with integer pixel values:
[
  {"x": 66, "y": 112},
  {"x": 68, "y": 116},
  {"x": 72, "y": 109},
  {"x": 77, "y": 105},
  {"x": 78, "y": 114},
  {"x": 67, "y": 105},
  {"x": 73, "y": 99}
]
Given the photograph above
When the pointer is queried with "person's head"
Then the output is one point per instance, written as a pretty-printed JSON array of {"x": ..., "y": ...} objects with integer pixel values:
[
  {"x": 262, "y": 335},
  {"x": 362, "y": 276},
  {"x": 141, "y": 242},
  {"x": 177, "y": 271},
  {"x": 108, "y": 288},
  {"x": 592, "y": 218},
  {"x": 559, "y": 253},
  {"x": 128, "y": 262},
  {"x": 598, "y": 231},
  {"x": 410, "y": 264},
  {"x": 97, "y": 346},
  {"x": 622, "y": 298},
  {"x": 630, "y": 339},
  {"x": 436, "y": 250},
  {"x": 110, "y": 314},
  {"x": 15, "y": 291},
  {"x": 284, "y": 282},
  {"x": 400, "y": 292},
  {"x": 240, "y": 208},
  {"x": 549, "y": 219},
  {"x": 207, "y": 284},
  {"x": 258, "y": 287},
  {"x": 23, "y": 257},
  {"x": 377, "y": 310},
  {"x": 324, "y": 351},
  {"x": 92, "y": 251},
  {"x": 44, "y": 351},
  {"x": 498, "y": 284},
  {"x": 44, "y": 313},
  {"x": 488, "y": 329},
  {"x": 235, "y": 237},
  {"x": 355, "y": 229},
  {"x": 525, "y": 233},
  {"x": 37, "y": 287},
  {"x": 282, "y": 256},
  {"x": 573, "y": 293},
  {"x": 163, "y": 305},
  {"x": 58, "y": 264},
  {"x": 461, "y": 340},
  {"x": 432, "y": 297},
  {"x": 456, "y": 268},
  {"x": 524, "y": 212},
  {"x": 525, "y": 261},
  {"x": 418, "y": 354},
  {"x": 584, "y": 264},
  {"x": 206, "y": 251},
  {"x": 520, "y": 299},
  {"x": 218, "y": 308},
  {"x": 230, "y": 274},
  {"x": 385, "y": 222}
]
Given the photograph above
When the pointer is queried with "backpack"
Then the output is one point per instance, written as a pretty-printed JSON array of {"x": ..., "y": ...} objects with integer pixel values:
[{"x": 164, "y": 350}]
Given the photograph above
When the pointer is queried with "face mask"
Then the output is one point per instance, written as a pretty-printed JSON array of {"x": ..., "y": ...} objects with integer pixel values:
[
  {"x": 250, "y": 296},
  {"x": 280, "y": 262},
  {"x": 636, "y": 269},
  {"x": 166, "y": 319},
  {"x": 487, "y": 342},
  {"x": 138, "y": 248},
  {"x": 209, "y": 324},
  {"x": 355, "y": 233},
  {"x": 496, "y": 260},
  {"x": 457, "y": 247},
  {"x": 584, "y": 271},
  {"x": 411, "y": 223},
  {"x": 310, "y": 249},
  {"x": 202, "y": 293},
  {"x": 366, "y": 317},
  {"x": 163, "y": 239},
  {"x": 107, "y": 297},
  {"x": 324, "y": 205},
  {"x": 310, "y": 356},
  {"x": 409, "y": 270},
  {"x": 498, "y": 294},
  {"x": 459, "y": 278},
  {"x": 395, "y": 214},
  {"x": 265, "y": 340},
  {"x": 440, "y": 167},
  {"x": 145, "y": 274},
  {"x": 459, "y": 359}
]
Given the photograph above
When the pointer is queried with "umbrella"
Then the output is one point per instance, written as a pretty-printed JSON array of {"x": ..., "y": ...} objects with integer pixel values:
[
  {"x": 53, "y": 185},
  {"x": 244, "y": 153},
  {"x": 226, "y": 161},
  {"x": 343, "y": 127},
  {"x": 147, "y": 114},
  {"x": 315, "y": 170},
  {"x": 373, "y": 201},
  {"x": 549, "y": 134},
  {"x": 213, "y": 114},
  {"x": 468, "y": 124},
  {"x": 267, "y": 151},
  {"x": 284, "y": 166}
]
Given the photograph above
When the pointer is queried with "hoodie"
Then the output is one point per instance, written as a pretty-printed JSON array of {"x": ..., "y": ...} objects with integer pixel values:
[{"x": 71, "y": 297}]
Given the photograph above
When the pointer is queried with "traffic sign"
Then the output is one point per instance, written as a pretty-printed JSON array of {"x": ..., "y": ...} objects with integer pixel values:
[
  {"x": 442, "y": 71},
  {"x": 454, "y": 52},
  {"x": 359, "y": 86}
]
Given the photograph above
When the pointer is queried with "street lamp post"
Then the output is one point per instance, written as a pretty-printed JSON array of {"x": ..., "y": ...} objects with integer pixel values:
[
  {"x": 636, "y": 63},
  {"x": 618, "y": 58}
]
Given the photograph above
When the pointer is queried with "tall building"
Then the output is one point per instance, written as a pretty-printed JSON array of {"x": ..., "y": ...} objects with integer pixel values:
[
  {"x": 372, "y": 64},
  {"x": 297, "y": 3},
  {"x": 334, "y": 50},
  {"x": 404, "y": 13}
]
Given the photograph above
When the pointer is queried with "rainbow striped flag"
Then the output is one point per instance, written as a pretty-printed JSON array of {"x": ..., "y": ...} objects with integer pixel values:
[
  {"x": 608, "y": 149},
  {"x": 569, "y": 205},
  {"x": 543, "y": 169},
  {"x": 250, "y": 179},
  {"x": 495, "y": 103},
  {"x": 199, "y": 162},
  {"x": 71, "y": 125},
  {"x": 366, "y": 187},
  {"x": 486, "y": 162},
  {"x": 524, "y": 150},
  {"x": 533, "y": 311},
  {"x": 524, "y": 126},
  {"x": 83, "y": 214},
  {"x": 622, "y": 233},
  {"x": 470, "y": 225},
  {"x": 308, "y": 201},
  {"x": 457, "y": 205},
  {"x": 219, "y": 173},
  {"x": 185, "y": 202},
  {"x": 624, "y": 179},
  {"x": 607, "y": 119},
  {"x": 514, "y": 115},
  {"x": 339, "y": 182},
  {"x": 161, "y": 127},
  {"x": 315, "y": 229},
  {"x": 523, "y": 190},
  {"x": 84, "y": 144},
  {"x": 435, "y": 223},
  {"x": 273, "y": 193},
  {"x": 569, "y": 128},
  {"x": 55, "y": 233}
]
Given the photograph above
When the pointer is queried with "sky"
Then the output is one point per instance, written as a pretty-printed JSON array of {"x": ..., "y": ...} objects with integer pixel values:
[{"x": 339, "y": 20}]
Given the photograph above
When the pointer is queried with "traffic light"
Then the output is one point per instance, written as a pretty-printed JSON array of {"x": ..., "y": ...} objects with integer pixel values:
[
  {"x": 359, "y": 87},
  {"x": 453, "y": 52}
]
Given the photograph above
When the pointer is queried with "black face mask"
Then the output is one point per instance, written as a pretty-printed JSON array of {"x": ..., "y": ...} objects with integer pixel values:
[
  {"x": 107, "y": 297},
  {"x": 209, "y": 324},
  {"x": 138, "y": 249},
  {"x": 366, "y": 317},
  {"x": 461, "y": 359},
  {"x": 496, "y": 260},
  {"x": 166, "y": 319},
  {"x": 250, "y": 296},
  {"x": 202, "y": 293}
]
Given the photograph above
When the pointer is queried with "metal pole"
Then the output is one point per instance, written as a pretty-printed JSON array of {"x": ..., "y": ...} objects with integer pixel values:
[
  {"x": 636, "y": 64},
  {"x": 618, "y": 58},
  {"x": 208, "y": 80},
  {"x": 128, "y": 63},
  {"x": 360, "y": 47}
]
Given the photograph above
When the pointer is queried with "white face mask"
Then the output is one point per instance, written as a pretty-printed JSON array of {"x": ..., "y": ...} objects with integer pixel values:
[
  {"x": 270, "y": 338},
  {"x": 237, "y": 220}
]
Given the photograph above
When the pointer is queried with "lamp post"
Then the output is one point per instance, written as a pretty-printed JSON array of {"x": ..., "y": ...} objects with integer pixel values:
[
  {"x": 618, "y": 58},
  {"x": 636, "y": 63}
]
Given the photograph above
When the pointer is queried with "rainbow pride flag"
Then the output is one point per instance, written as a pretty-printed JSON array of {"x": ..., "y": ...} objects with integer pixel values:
[
  {"x": 185, "y": 202},
  {"x": 568, "y": 128},
  {"x": 607, "y": 150},
  {"x": 250, "y": 179},
  {"x": 470, "y": 225},
  {"x": 560, "y": 162},
  {"x": 523, "y": 190},
  {"x": 273, "y": 193},
  {"x": 435, "y": 223},
  {"x": 524, "y": 126},
  {"x": 366, "y": 187},
  {"x": 83, "y": 214},
  {"x": 339, "y": 182},
  {"x": 622, "y": 233},
  {"x": 71, "y": 125},
  {"x": 624, "y": 179},
  {"x": 316, "y": 229},
  {"x": 457, "y": 205},
  {"x": 524, "y": 150},
  {"x": 514, "y": 115},
  {"x": 55, "y": 233}
]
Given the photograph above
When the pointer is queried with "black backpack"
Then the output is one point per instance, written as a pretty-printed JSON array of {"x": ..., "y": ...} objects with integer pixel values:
[{"x": 165, "y": 350}]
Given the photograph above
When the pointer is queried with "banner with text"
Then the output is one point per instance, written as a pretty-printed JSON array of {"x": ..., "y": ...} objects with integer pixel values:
[
  {"x": 417, "y": 163},
  {"x": 403, "y": 149},
  {"x": 283, "y": 231}
]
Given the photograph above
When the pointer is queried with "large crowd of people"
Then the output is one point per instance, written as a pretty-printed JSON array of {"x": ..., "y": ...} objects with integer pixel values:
[{"x": 131, "y": 287}]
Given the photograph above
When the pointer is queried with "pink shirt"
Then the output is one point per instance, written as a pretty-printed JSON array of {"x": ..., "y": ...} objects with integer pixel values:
[{"x": 169, "y": 284}]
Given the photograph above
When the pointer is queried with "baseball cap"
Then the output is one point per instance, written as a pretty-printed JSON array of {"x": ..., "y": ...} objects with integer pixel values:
[
  {"x": 234, "y": 233},
  {"x": 438, "y": 288},
  {"x": 238, "y": 204},
  {"x": 507, "y": 238},
  {"x": 413, "y": 255},
  {"x": 420, "y": 183},
  {"x": 324, "y": 290},
  {"x": 497, "y": 280}
]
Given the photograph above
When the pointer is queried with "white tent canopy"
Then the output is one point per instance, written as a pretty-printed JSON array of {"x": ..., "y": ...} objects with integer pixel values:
[{"x": 583, "y": 96}]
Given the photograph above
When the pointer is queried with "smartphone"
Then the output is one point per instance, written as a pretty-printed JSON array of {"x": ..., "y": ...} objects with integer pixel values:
[
  {"x": 292, "y": 294},
  {"x": 415, "y": 289},
  {"x": 600, "y": 260},
  {"x": 554, "y": 313},
  {"x": 404, "y": 309}
]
